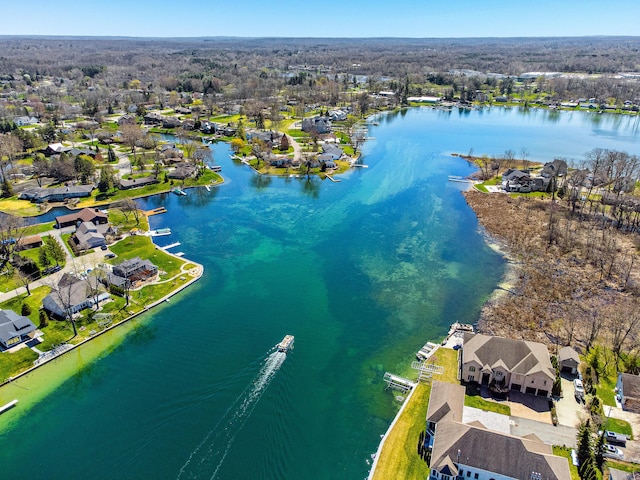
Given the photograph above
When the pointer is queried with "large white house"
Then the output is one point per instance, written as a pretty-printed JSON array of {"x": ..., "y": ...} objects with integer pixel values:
[{"x": 514, "y": 364}]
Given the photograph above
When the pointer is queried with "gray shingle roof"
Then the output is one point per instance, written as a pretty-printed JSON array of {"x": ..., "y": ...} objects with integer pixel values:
[{"x": 13, "y": 325}]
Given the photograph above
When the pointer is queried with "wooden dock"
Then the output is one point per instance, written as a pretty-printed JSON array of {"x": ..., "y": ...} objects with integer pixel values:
[
  {"x": 155, "y": 211},
  {"x": 167, "y": 247},
  {"x": 332, "y": 179},
  {"x": 8, "y": 406}
]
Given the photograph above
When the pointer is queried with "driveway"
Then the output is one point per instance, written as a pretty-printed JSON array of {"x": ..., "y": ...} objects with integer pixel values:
[
  {"x": 569, "y": 410},
  {"x": 529, "y": 406},
  {"x": 560, "y": 435},
  {"x": 632, "y": 450}
]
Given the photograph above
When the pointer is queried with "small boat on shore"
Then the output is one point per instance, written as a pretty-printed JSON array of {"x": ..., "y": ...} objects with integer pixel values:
[
  {"x": 457, "y": 178},
  {"x": 179, "y": 191},
  {"x": 286, "y": 344}
]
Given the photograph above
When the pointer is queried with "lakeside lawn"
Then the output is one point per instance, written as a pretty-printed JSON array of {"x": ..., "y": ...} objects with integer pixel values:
[
  {"x": 20, "y": 208},
  {"x": 605, "y": 388},
  {"x": 142, "y": 246},
  {"x": 399, "y": 456},
  {"x": 97, "y": 198}
]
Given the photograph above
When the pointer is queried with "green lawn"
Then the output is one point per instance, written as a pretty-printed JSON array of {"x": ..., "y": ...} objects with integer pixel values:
[
  {"x": 399, "y": 457},
  {"x": 604, "y": 390},
  {"x": 143, "y": 247},
  {"x": 126, "y": 223},
  {"x": 473, "y": 399},
  {"x": 21, "y": 208},
  {"x": 13, "y": 363},
  {"x": 618, "y": 426},
  {"x": 566, "y": 453},
  {"x": 38, "y": 228}
]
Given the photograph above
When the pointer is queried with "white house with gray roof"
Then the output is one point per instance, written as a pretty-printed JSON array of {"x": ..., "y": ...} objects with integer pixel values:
[
  {"x": 15, "y": 329},
  {"x": 469, "y": 451},
  {"x": 514, "y": 364}
]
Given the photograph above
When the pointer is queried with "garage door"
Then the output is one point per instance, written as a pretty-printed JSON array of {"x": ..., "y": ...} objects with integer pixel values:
[
  {"x": 531, "y": 390},
  {"x": 515, "y": 386},
  {"x": 543, "y": 393}
]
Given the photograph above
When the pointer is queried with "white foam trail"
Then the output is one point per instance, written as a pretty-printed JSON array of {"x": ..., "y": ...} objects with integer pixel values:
[{"x": 216, "y": 444}]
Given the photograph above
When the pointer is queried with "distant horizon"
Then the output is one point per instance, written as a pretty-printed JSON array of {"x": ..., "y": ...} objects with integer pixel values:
[{"x": 331, "y": 19}]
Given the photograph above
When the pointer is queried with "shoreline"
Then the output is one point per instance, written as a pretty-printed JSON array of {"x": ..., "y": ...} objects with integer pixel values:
[{"x": 146, "y": 309}]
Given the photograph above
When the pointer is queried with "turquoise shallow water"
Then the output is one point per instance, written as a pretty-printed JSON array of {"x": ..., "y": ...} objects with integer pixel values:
[{"x": 362, "y": 272}]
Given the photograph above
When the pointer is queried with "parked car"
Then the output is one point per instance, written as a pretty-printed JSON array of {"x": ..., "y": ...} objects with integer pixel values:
[
  {"x": 103, "y": 247},
  {"x": 614, "y": 437},
  {"x": 110, "y": 255},
  {"x": 578, "y": 390},
  {"x": 612, "y": 452}
]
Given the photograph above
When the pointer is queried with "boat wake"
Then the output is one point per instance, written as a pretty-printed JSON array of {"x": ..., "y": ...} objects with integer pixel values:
[{"x": 207, "y": 458}]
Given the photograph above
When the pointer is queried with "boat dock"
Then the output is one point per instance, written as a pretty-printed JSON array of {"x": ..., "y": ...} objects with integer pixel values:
[
  {"x": 396, "y": 382},
  {"x": 155, "y": 211},
  {"x": 8, "y": 406},
  {"x": 208, "y": 188},
  {"x": 361, "y": 165},
  {"x": 171, "y": 245},
  {"x": 179, "y": 254},
  {"x": 332, "y": 179},
  {"x": 425, "y": 351}
]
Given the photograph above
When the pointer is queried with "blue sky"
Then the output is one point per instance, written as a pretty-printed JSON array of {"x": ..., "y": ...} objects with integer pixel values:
[{"x": 327, "y": 18}]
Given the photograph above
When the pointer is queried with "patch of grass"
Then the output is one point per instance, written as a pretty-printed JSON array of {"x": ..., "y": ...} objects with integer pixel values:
[
  {"x": 34, "y": 301},
  {"x": 604, "y": 390},
  {"x": 143, "y": 247},
  {"x": 619, "y": 426},
  {"x": 481, "y": 188},
  {"x": 473, "y": 399},
  {"x": 624, "y": 466},
  {"x": 125, "y": 224},
  {"x": 13, "y": 363},
  {"x": 399, "y": 457},
  {"x": 566, "y": 453},
  {"x": 37, "y": 229},
  {"x": 21, "y": 208}
]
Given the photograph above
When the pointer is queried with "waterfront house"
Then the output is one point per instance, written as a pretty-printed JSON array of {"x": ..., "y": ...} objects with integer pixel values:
[
  {"x": 73, "y": 295},
  {"x": 568, "y": 360},
  {"x": 183, "y": 171},
  {"x": 333, "y": 151},
  {"x": 628, "y": 391},
  {"x": 16, "y": 329},
  {"x": 89, "y": 235},
  {"x": 469, "y": 451},
  {"x": 92, "y": 215},
  {"x": 60, "y": 194},
  {"x": 137, "y": 182},
  {"x": 446, "y": 402},
  {"x": 509, "y": 364},
  {"x": 131, "y": 273}
]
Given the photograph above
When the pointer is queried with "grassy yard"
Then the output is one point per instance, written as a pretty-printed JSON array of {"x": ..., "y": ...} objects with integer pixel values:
[
  {"x": 566, "y": 453},
  {"x": 618, "y": 426},
  {"x": 13, "y": 363},
  {"x": 21, "y": 208},
  {"x": 399, "y": 457},
  {"x": 604, "y": 390},
  {"x": 126, "y": 223},
  {"x": 473, "y": 399},
  {"x": 38, "y": 228},
  {"x": 143, "y": 247}
]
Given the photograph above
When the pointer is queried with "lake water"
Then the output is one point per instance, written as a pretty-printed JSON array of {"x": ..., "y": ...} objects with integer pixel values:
[{"x": 362, "y": 272}]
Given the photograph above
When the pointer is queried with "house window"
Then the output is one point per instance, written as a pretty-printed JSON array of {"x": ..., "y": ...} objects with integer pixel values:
[
  {"x": 475, "y": 476},
  {"x": 472, "y": 369},
  {"x": 545, "y": 382},
  {"x": 468, "y": 474},
  {"x": 471, "y": 378}
]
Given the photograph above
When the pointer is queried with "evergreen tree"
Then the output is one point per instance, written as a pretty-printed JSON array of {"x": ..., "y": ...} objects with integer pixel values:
[
  {"x": 44, "y": 319},
  {"x": 26, "y": 310},
  {"x": 6, "y": 190},
  {"x": 107, "y": 179},
  {"x": 43, "y": 258},
  {"x": 112, "y": 155}
]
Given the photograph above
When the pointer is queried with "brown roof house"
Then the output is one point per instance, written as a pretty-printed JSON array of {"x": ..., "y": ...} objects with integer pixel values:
[
  {"x": 92, "y": 215},
  {"x": 514, "y": 364},
  {"x": 628, "y": 392},
  {"x": 568, "y": 360},
  {"x": 470, "y": 451}
]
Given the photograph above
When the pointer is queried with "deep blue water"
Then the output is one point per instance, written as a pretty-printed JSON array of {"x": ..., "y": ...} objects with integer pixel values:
[{"x": 362, "y": 272}]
